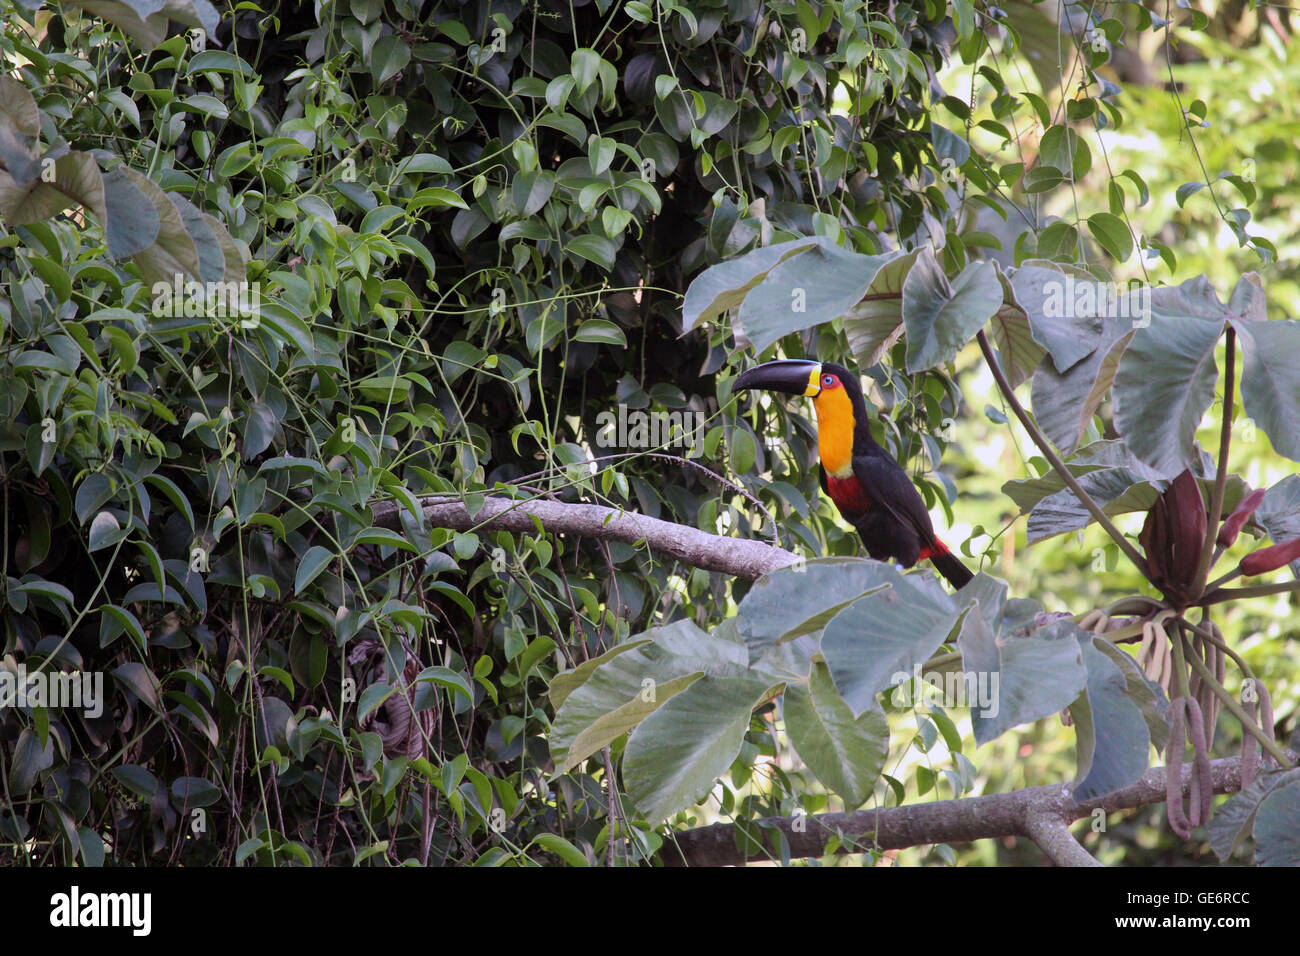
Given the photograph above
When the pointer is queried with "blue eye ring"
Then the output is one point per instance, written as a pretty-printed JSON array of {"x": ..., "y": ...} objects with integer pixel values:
[{"x": 828, "y": 380}]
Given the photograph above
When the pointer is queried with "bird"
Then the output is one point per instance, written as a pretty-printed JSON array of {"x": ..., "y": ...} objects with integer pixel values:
[{"x": 870, "y": 489}]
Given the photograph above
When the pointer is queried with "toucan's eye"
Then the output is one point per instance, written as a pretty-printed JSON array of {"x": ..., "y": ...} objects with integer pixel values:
[{"x": 828, "y": 380}]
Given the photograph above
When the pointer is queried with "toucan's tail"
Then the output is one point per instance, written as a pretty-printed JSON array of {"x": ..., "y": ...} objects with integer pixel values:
[{"x": 950, "y": 567}]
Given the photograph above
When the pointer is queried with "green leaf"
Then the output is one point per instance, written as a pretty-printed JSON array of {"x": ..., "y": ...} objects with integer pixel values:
[
  {"x": 626, "y": 687},
  {"x": 816, "y": 286},
  {"x": 595, "y": 249},
  {"x": 566, "y": 851},
  {"x": 436, "y": 196},
  {"x": 875, "y": 323},
  {"x": 675, "y": 756},
  {"x": 388, "y": 57},
  {"x": 1270, "y": 376},
  {"x": 1114, "y": 743},
  {"x": 801, "y": 599},
  {"x": 602, "y": 331},
  {"x": 566, "y": 682},
  {"x": 1063, "y": 149},
  {"x": 877, "y": 641},
  {"x": 584, "y": 65},
  {"x": 139, "y": 680},
  {"x": 1185, "y": 190},
  {"x": 846, "y": 753},
  {"x": 384, "y": 537},
  {"x": 105, "y": 531},
  {"x": 725, "y": 285},
  {"x": 190, "y": 792},
  {"x": 372, "y": 697},
  {"x": 940, "y": 318},
  {"x": 1064, "y": 403},
  {"x": 1011, "y": 679},
  {"x": 29, "y": 759},
  {"x": 1166, "y": 378},
  {"x": 136, "y": 779},
  {"x": 128, "y": 622},
  {"x": 1055, "y": 300},
  {"x": 1012, "y": 335},
  {"x": 1109, "y": 230},
  {"x": 1234, "y": 821},
  {"x": 310, "y": 566},
  {"x": 1116, "y": 490},
  {"x": 448, "y": 678}
]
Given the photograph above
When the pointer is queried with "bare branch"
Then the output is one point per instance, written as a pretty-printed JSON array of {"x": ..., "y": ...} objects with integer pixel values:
[
  {"x": 1038, "y": 813},
  {"x": 741, "y": 557},
  {"x": 1051, "y": 832}
]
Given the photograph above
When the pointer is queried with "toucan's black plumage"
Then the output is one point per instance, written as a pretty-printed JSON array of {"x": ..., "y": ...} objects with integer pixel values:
[{"x": 870, "y": 489}]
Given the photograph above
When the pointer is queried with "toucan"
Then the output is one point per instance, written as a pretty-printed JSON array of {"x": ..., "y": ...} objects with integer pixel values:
[{"x": 870, "y": 489}]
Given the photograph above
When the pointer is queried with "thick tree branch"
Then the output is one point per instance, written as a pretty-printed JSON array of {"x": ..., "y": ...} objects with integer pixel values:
[
  {"x": 1051, "y": 832},
  {"x": 740, "y": 557},
  {"x": 1041, "y": 814}
]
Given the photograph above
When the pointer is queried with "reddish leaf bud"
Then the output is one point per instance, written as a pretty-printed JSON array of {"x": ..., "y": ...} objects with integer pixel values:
[
  {"x": 1270, "y": 559},
  {"x": 1173, "y": 536},
  {"x": 1237, "y": 520}
]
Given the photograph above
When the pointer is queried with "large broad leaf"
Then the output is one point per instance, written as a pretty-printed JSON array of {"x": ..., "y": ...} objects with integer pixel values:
[
  {"x": 29, "y": 759},
  {"x": 19, "y": 128},
  {"x": 566, "y": 682},
  {"x": 1018, "y": 351},
  {"x": 131, "y": 224},
  {"x": 145, "y": 21},
  {"x": 212, "y": 261},
  {"x": 627, "y": 687},
  {"x": 1117, "y": 490},
  {"x": 1270, "y": 375},
  {"x": 1114, "y": 743},
  {"x": 1113, "y": 478},
  {"x": 173, "y": 255},
  {"x": 1277, "y": 827},
  {"x": 725, "y": 285},
  {"x": 675, "y": 756},
  {"x": 941, "y": 317},
  {"x": 1049, "y": 294},
  {"x": 1027, "y": 492},
  {"x": 814, "y": 287},
  {"x": 800, "y": 599},
  {"x": 846, "y": 753},
  {"x": 75, "y": 180},
  {"x": 882, "y": 638},
  {"x": 1149, "y": 696},
  {"x": 1064, "y": 403},
  {"x": 1233, "y": 822},
  {"x": 1011, "y": 677},
  {"x": 1165, "y": 382},
  {"x": 876, "y": 322}
]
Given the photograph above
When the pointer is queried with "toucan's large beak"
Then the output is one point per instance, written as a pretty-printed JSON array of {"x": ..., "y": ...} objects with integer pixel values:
[{"x": 792, "y": 376}]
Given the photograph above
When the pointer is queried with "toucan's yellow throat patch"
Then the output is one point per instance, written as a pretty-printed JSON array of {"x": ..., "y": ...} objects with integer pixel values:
[{"x": 835, "y": 430}]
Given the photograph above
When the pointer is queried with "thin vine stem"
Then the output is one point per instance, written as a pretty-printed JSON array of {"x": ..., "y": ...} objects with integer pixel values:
[{"x": 1054, "y": 459}]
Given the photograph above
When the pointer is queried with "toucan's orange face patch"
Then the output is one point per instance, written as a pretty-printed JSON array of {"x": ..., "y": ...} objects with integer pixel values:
[{"x": 834, "y": 427}]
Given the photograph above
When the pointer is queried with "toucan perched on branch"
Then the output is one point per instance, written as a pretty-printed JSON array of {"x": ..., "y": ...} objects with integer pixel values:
[{"x": 871, "y": 490}]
